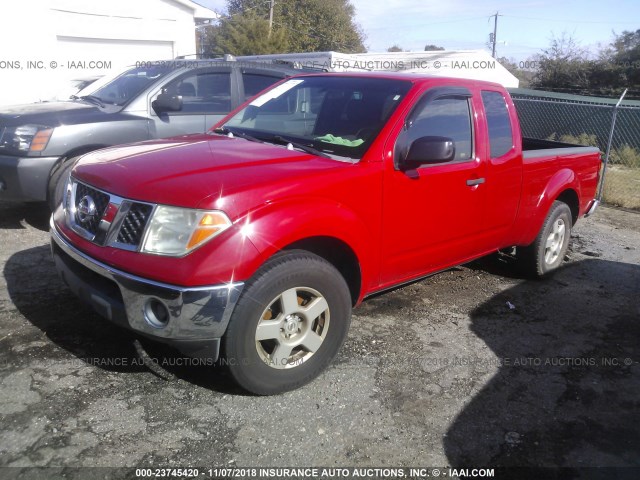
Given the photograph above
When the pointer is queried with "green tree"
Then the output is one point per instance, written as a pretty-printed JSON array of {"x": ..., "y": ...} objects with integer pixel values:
[
  {"x": 308, "y": 25},
  {"x": 430, "y": 47},
  {"x": 617, "y": 67},
  {"x": 395, "y": 48},
  {"x": 320, "y": 25},
  {"x": 626, "y": 59},
  {"x": 562, "y": 66},
  {"x": 245, "y": 34},
  {"x": 605, "y": 75}
]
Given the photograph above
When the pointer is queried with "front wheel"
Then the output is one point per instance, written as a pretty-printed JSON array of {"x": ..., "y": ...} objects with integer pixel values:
[
  {"x": 546, "y": 253},
  {"x": 288, "y": 325},
  {"x": 58, "y": 182}
]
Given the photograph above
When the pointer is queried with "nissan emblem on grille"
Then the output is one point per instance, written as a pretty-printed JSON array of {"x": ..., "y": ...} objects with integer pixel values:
[
  {"x": 90, "y": 206},
  {"x": 86, "y": 209},
  {"x": 106, "y": 219}
]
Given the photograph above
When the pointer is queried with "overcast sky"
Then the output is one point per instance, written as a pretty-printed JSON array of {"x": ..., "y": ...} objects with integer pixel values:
[{"x": 525, "y": 27}]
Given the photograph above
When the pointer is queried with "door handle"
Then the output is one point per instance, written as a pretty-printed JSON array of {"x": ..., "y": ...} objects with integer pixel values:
[{"x": 475, "y": 181}]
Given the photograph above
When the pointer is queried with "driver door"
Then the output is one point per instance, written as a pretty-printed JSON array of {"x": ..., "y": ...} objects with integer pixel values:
[{"x": 433, "y": 215}]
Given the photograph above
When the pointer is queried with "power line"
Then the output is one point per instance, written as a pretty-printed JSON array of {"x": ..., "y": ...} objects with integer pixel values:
[
  {"x": 451, "y": 21},
  {"x": 242, "y": 12},
  {"x": 537, "y": 19},
  {"x": 422, "y": 24}
]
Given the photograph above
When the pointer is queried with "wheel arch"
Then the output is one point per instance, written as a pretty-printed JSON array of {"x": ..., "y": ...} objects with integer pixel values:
[
  {"x": 326, "y": 228},
  {"x": 60, "y": 164},
  {"x": 570, "y": 197},
  {"x": 76, "y": 152},
  {"x": 563, "y": 186},
  {"x": 339, "y": 254}
]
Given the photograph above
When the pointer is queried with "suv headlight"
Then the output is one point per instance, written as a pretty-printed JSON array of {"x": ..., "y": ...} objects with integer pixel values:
[
  {"x": 177, "y": 231},
  {"x": 26, "y": 138}
]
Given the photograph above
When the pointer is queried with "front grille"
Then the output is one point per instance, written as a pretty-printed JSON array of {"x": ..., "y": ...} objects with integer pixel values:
[
  {"x": 107, "y": 219},
  {"x": 99, "y": 199},
  {"x": 134, "y": 224}
]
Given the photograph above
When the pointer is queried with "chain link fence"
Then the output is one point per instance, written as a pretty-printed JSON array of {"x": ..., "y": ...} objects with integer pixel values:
[{"x": 587, "y": 121}]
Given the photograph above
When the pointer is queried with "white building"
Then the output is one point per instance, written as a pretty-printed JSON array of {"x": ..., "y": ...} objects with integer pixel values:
[
  {"x": 46, "y": 43},
  {"x": 474, "y": 64}
]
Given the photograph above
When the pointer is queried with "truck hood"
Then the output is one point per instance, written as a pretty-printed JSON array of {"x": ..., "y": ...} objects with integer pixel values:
[
  {"x": 202, "y": 171},
  {"x": 53, "y": 114}
]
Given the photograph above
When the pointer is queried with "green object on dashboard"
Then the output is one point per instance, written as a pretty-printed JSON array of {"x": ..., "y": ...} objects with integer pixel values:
[{"x": 340, "y": 141}]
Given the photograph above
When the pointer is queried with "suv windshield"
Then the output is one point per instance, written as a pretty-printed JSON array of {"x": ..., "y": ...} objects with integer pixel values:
[
  {"x": 128, "y": 85},
  {"x": 338, "y": 115}
]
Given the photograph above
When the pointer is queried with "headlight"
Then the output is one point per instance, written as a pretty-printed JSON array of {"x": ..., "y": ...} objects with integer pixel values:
[
  {"x": 26, "y": 138},
  {"x": 177, "y": 231}
]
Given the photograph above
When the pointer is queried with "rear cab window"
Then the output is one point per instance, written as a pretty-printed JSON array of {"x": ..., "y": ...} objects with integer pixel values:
[
  {"x": 255, "y": 83},
  {"x": 498, "y": 123}
]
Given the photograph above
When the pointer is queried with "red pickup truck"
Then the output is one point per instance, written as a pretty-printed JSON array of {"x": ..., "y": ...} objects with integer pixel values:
[{"x": 255, "y": 240}]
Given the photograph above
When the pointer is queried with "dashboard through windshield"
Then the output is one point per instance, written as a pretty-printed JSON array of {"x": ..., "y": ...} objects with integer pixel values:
[{"x": 338, "y": 115}]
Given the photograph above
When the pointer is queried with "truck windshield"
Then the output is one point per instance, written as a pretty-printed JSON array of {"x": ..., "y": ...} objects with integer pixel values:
[
  {"x": 127, "y": 85},
  {"x": 339, "y": 115}
]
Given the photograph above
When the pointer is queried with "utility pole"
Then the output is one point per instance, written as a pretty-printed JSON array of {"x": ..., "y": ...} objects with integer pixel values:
[
  {"x": 271, "y": 5},
  {"x": 495, "y": 33}
]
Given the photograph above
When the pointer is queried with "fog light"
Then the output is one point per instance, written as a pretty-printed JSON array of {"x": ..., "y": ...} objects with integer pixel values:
[
  {"x": 156, "y": 313},
  {"x": 3, "y": 185}
]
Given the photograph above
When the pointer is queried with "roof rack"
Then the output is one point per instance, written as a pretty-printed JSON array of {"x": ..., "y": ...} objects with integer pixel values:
[{"x": 199, "y": 56}]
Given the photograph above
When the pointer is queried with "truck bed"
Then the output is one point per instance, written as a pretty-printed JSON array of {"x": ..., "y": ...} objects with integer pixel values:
[
  {"x": 536, "y": 148},
  {"x": 542, "y": 161}
]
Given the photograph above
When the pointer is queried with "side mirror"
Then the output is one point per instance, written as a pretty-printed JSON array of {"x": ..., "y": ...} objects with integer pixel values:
[
  {"x": 427, "y": 150},
  {"x": 167, "y": 103}
]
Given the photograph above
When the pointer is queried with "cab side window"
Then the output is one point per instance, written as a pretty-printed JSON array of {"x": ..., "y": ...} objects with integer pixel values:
[
  {"x": 498, "y": 123},
  {"x": 444, "y": 117}
]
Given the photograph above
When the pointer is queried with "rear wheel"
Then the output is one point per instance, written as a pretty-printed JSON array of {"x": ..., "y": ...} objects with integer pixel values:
[
  {"x": 546, "y": 253},
  {"x": 288, "y": 325}
]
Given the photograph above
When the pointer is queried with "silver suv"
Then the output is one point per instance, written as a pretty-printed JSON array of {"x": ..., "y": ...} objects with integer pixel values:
[{"x": 40, "y": 142}]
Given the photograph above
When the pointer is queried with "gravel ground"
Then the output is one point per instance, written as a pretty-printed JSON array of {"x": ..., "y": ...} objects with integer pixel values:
[{"x": 472, "y": 367}]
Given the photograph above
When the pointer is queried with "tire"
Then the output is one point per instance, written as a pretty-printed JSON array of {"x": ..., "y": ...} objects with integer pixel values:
[
  {"x": 58, "y": 180},
  {"x": 288, "y": 325},
  {"x": 548, "y": 250}
]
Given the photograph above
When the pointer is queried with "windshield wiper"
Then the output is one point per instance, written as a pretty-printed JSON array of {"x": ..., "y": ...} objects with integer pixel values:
[
  {"x": 91, "y": 99},
  {"x": 301, "y": 146},
  {"x": 275, "y": 138},
  {"x": 226, "y": 131}
]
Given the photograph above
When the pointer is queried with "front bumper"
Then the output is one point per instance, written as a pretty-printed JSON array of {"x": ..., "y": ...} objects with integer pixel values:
[
  {"x": 25, "y": 178},
  {"x": 190, "y": 319}
]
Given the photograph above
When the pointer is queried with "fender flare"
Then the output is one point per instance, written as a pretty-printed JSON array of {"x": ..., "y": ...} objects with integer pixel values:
[
  {"x": 562, "y": 181},
  {"x": 277, "y": 225}
]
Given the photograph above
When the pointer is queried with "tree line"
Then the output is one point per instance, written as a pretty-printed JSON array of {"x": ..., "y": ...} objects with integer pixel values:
[{"x": 565, "y": 66}]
